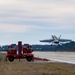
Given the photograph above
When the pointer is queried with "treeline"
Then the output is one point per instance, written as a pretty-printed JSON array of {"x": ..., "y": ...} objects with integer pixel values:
[
  {"x": 67, "y": 47},
  {"x": 64, "y": 47}
]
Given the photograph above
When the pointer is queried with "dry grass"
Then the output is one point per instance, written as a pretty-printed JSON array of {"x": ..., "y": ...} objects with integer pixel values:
[{"x": 34, "y": 68}]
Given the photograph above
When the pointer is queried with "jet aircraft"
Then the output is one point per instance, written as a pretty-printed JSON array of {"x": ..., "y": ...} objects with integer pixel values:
[{"x": 56, "y": 40}]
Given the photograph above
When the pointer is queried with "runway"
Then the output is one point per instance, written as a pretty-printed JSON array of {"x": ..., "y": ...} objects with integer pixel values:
[{"x": 63, "y": 57}]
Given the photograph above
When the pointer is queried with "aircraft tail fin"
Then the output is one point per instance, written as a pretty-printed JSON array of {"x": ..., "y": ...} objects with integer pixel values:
[{"x": 59, "y": 36}]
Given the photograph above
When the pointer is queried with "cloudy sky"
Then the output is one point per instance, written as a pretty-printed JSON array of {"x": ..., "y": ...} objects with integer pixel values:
[{"x": 32, "y": 20}]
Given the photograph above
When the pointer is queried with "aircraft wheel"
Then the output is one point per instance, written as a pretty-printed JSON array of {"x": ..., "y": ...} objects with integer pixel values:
[{"x": 51, "y": 44}]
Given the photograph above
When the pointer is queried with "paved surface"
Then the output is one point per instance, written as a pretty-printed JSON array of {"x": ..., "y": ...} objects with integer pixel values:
[{"x": 64, "y": 57}]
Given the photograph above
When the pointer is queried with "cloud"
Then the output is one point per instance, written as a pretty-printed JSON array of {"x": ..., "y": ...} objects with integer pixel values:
[
  {"x": 36, "y": 17},
  {"x": 58, "y": 13},
  {"x": 16, "y": 28},
  {"x": 39, "y": 7},
  {"x": 59, "y": 27}
]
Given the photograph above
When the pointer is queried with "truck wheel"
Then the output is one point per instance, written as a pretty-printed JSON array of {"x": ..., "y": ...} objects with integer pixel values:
[
  {"x": 29, "y": 58},
  {"x": 11, "y": 58}
]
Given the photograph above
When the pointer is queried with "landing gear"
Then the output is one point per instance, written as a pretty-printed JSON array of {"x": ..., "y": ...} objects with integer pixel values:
[{"x": 51, "y": 44}]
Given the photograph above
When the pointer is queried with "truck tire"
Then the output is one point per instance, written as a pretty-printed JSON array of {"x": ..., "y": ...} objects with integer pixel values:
[
  {"x": 29, "y": 58},
  {"x": 11, "y": 58}
]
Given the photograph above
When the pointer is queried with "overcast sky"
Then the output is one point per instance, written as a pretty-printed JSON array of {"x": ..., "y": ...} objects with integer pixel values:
[{"x": 32, "y": 20}]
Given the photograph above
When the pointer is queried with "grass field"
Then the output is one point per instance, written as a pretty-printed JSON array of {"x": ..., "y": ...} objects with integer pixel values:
[{"x": 35, "y": 68}]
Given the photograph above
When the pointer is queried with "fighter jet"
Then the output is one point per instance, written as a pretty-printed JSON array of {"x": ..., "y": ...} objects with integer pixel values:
[{"x": 56, "y": 40}]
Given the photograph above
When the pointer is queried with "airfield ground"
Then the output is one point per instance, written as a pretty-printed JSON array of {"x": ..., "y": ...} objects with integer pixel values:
[{"x": 34, "y": 68}]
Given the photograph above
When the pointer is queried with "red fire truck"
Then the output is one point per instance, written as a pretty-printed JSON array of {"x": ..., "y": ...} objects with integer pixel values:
[{"x": 20, "y": 52}]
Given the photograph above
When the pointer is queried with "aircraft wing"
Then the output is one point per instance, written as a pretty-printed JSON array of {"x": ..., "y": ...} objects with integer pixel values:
[
  {"x": 64, "y": 40},
  {"x": 49, "y": 40}
]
